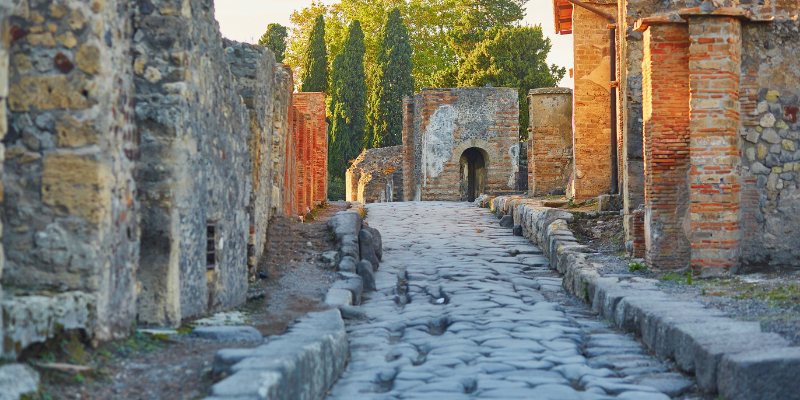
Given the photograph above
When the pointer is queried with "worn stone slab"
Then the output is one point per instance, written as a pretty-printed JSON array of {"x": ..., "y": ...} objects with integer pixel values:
[
  {"x": 229, "y": 333},
  {"x": 17, "y": 380},
  {"x": 339, "y": 297},
  {"x": 761, "y": 374},
  {"x": 301, "y": 364}
]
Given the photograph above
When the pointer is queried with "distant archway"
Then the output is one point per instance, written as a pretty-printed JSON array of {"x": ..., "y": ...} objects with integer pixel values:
[{"x": 473, "y": 173}]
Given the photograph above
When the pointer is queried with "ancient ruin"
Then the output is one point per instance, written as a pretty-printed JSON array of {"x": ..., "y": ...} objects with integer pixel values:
[
  {"x": 460, "y": 143},
  {"x": 702, "y": 104},
  {"x": 144, "y": 158}
]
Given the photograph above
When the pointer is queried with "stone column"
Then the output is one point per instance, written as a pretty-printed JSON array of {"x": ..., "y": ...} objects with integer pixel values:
[
  {"x": 715, "y": 187},
  {"x": 665, "y": 82},
  {"x": 550, "y": 141}
]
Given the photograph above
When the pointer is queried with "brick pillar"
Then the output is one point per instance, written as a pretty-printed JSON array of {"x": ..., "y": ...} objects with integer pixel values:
[
  {"x": 408, "y": 148},
  {"x": 715, "y": 187},
  {"x": 665, "y": 82},
  {"x": 592, "y": 99},
  {"x": 550, "y": 141}
]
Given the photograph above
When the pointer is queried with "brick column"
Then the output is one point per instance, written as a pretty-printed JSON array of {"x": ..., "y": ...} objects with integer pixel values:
[
  {"x": 408, "y": 148},
  {"x": 665, "y": 94},
  {"x": 549, "y": 141},
  {"x": 714, "y": 70},
  {"x": 592, "y": 99}
]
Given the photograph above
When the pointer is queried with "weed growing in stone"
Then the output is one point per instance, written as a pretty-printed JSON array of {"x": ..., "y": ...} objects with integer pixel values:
[{"x": 636, "y": 267}]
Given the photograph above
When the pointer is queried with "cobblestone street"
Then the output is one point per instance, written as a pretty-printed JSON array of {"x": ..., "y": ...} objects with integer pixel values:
[{"x": 464, "y": 309}]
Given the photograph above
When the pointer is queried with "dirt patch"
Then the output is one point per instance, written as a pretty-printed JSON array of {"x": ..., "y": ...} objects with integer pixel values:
[
  {"x": 290, "y": 281},
  {"x": 602, "y": 232}
]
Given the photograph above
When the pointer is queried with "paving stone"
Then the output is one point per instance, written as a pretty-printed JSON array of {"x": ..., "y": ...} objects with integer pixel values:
[
  {"x": 503, "y": 330},
  {"x": 231, "y": 333}
]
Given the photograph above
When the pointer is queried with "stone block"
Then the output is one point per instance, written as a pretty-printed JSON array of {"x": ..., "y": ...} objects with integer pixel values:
[
  {"x": 765, "y": 374},
  {"x": 78, "y": 184},
  {"x": 229, "y": 333},
  {"x": 17, "y": 381},
  {"x": 339, "y": 297}
]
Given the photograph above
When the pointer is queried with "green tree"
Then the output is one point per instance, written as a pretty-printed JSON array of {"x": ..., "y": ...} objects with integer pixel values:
[
  {"x": 478, "y": 17},
  {"x": 275, "y": 39},
  {"x": 393, "y": 81},
  {"x": 512, "y": 57},
  {"x": 347, "y": 105},
  {"x": 315, "y": 71}
]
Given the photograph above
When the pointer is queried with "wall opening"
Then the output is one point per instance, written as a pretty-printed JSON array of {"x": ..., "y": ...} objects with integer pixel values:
[
  {"x": 211, "y": 245},
  {"x": 473, "y": 173}
]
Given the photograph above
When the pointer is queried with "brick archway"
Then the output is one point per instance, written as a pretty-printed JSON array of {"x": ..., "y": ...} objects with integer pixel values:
[{"x": 472, "y": 173}]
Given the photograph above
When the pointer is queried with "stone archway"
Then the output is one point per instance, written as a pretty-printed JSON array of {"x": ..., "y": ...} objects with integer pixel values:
[{"x": 473, "y": 173}]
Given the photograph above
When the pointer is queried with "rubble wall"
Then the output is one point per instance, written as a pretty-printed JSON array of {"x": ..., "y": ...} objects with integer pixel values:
[
  {"x": 254, "y": 68},
  {"x": 69, "y": 203},
  {"x": 376, "y": 176},
  {"x": 770, "y": 144},
  {"x": 195, "y": 170}
]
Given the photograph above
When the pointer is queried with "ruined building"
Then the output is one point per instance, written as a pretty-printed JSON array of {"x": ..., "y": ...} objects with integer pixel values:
[
  {"x": 701, "y": 133},
  {"x": 143, "y": 159},
  {"x": 458, "y": 143}
]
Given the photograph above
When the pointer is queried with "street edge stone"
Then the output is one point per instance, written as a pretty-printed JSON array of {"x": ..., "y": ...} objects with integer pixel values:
[{"x": 701, "y": 341}]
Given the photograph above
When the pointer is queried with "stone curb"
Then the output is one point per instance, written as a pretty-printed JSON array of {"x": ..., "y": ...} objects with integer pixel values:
[
  {"x": 729, "y": 357},
  {"x": 302, "y": 364}
]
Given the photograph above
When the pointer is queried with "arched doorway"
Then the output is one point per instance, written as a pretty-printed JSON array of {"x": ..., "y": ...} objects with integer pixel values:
[{"x": 473, "y": 173}]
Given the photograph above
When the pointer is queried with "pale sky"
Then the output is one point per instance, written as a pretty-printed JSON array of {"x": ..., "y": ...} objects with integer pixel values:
[{"x": 246, "y": 21}]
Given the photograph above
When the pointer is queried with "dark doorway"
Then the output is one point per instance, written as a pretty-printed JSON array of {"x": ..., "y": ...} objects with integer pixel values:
[{"x": 473, "y": 173}]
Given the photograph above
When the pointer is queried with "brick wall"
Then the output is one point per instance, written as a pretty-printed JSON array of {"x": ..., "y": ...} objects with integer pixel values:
[
  {"x": 665, "y": 83},
  {"x": 447, "y": 122},
  {"x": 591, "y": 103},
  {"x": 312, "y": 150},
  {"x": 715, "y": 184},
  {"x": 282, "y": 193},
  {"x": 550, "y": 141}
]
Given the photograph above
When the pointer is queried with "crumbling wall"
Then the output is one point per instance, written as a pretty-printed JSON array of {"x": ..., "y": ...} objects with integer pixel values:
[
  {"x": 550, "y": 141},
  {"x": 376, "y": 176},
  {"x": 446, "y": 123},
  {"x": 282, "y": 89},
  {"x": 69, "y": 203},
  {"x": 5, "y": 14},
  {"x": 254, "y": 68},
  {"x": 770, "y": 144},
  {"x": 195, "y": 171}
]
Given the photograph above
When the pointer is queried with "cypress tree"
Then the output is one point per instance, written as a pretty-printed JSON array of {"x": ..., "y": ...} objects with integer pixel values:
[
  {"x": 315, "y": 72},
  {"x": 348, "y": 103},
  {"x": 275, "y": 39},
  {"x": 393, "y": 81}
]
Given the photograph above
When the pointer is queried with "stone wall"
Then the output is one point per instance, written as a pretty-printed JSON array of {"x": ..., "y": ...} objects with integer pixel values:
[
  {"x": 592, "y": 102},
  {"x": 770, "y": 134},
  {"x": 447, "y": 123},
  {"x": 376, "y": 176},
  {"x": 195, "y": 172},
  {"x": 131, "y": 128},
  {"x": 69, "y": 209},
  {"x": 550, "y": 141}
]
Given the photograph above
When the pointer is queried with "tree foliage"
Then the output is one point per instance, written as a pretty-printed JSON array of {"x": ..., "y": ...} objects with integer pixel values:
[
  {"x": 275, "y": 40},
  {"x": 315, "y": 71},
  {"x": 347, "y": 108},
  {"x": 512, "y": 57},
  {"x": 392, "y": 83}
]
